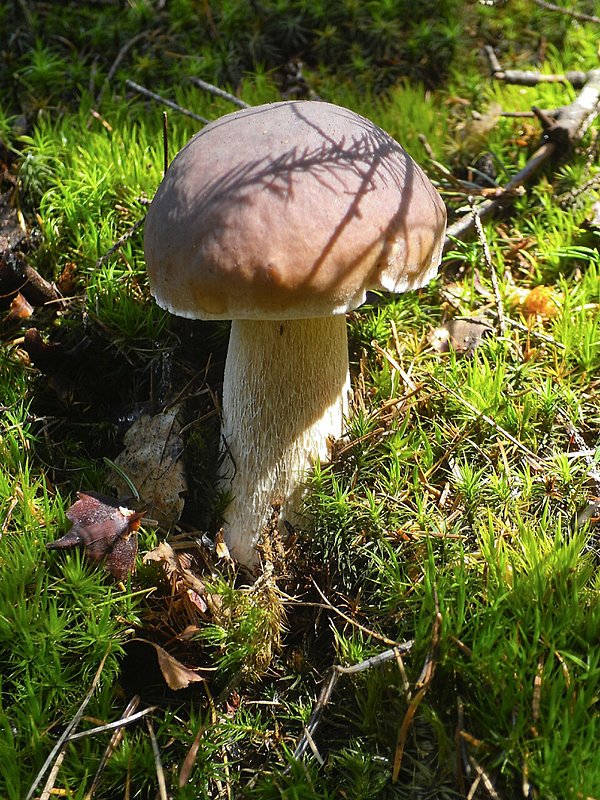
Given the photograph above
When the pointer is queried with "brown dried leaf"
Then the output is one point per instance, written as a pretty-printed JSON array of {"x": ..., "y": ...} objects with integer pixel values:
[
  {"x": 106, "y": 530},
  {"x": 20, "y": 308},
  {"x": 176, "y": 566},
  {"x": 152, "y": 461},
  {"x": 188, "y": 598},
  {"x": 221, "y": 549},
  {"x": 177, "y": 675}
]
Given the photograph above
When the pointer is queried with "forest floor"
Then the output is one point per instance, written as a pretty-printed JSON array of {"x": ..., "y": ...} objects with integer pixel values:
[{"x": 433, "y": 631}]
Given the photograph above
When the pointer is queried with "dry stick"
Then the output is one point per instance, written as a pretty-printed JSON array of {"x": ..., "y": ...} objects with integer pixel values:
[
  {"x": 328, "y": 687},
  {"x": 166, "y": 102},
  {"x": 490, "y": 267},
  {"x": 526, "y": 77},
  {"x": 165, "y": 143},
  {"x": 368, "y": 631},
  {"x": 464, "y": 226},
  {"x": 209, "y": 87},
  {"x": 423, "y": 683},
  {"x": 568, "y": 199},
  {"x": 460, "y": 745},
  {"x": 394, "y": 364},
  {"x": 160, "y": 774},
  {"x": 117, "y": 62},
  {"x": 18, "y": 276},
  {"x": 114, "y": 742},
  {"x": 581, "y": 444},
  {"x": 127, "y": 235},
  {"x": 491, "y": 422},
  {"x": 127, "y": 719},
  {"x": 543, "y": 337},
  {"x": 568, "y": 126},
  {"x": 190, "y": 758},
  {"x": 575, "y": 14},
  {"x": 62, "y": 741},
  {"x": 484, "y": 778}
]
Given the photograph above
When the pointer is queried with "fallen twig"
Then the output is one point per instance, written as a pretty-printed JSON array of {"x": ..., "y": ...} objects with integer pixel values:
[
  {"x": 577, "y": 439},
  {"x": 117, "y": 62},
  {"x": 165, "y": 143},
  {"x": 465, "y": 224},
  {"x": 18, "y": 276},
  {"x": 328, "y": 604},
  {"x": 160, "y": 774},
  {"x": 536, "y": 461},
  {"x": 543, "y": 337},
  {"x": 422, "y": 685},
  {"x": 579, "y": 15},
  {"x": 165, "y": 101},
  {"x": 491, "y": 269},
  {"x": 564, "y": 127},
  {"x": 209, "y": 87},
  {"x": 120, "y": 242},
  {"x": 482, "y": 777},
  {"x": 527, "y": 77},
  {"x": 128, "y": 717},
  {"x": 334, "y": 674}
]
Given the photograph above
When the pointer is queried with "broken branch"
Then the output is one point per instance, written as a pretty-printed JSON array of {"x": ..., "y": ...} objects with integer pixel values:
[
  {"x": 579, "y": 15},
  {"x": 209, "y": 87},
  {"x": 165, "y": 101},
  {"x": 566, "y": 126},
  {"x": 307, "y": 738}
]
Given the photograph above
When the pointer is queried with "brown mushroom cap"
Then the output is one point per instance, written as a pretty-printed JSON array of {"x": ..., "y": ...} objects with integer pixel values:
[{"x": 290, "y": 210}]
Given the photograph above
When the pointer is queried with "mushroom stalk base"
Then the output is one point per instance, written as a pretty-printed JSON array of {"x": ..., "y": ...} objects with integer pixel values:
[{"x": 285, "y": 396}]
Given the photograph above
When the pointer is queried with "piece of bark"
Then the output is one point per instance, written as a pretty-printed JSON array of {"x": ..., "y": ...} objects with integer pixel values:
[{"x": 18, "y": 276}]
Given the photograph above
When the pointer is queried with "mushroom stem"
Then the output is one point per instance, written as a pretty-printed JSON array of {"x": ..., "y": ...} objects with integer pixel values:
[{"x": 285, "y": 395}]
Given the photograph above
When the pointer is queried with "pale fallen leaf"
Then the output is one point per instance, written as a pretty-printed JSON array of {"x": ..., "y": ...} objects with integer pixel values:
[
  {"x": 461, "y": 334},
  {"x": 221, "y": 548},
  {"x": 152, "y": 461}
]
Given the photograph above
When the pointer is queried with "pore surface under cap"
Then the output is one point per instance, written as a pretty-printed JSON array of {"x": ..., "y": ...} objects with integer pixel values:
[{"x": 287, "y": 210}]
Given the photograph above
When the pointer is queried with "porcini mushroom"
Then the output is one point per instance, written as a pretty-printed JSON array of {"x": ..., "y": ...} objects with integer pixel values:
[{"x": 280, "y": 217}]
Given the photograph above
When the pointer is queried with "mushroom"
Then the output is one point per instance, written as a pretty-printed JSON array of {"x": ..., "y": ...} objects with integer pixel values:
[{"x": 280, "y": 217}]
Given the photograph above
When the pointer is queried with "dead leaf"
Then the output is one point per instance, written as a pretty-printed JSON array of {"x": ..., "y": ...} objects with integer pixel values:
[
  {"x": 106, "y": 530},
  {"x": 152, "y": 460},
  {"x": 176, "y": 565},
  {"x": 188, "y": 598},
  {"x": 221, "y": 549},
  {"x": 541, "y": 301},
  {"x": 462, "y": 334},
  {"x": 177, "y": 675},
  {"x": 20, "y": 308}
]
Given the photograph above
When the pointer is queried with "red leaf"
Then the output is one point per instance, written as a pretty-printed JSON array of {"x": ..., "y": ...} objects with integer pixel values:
[{"x": 106, "y": 530}]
